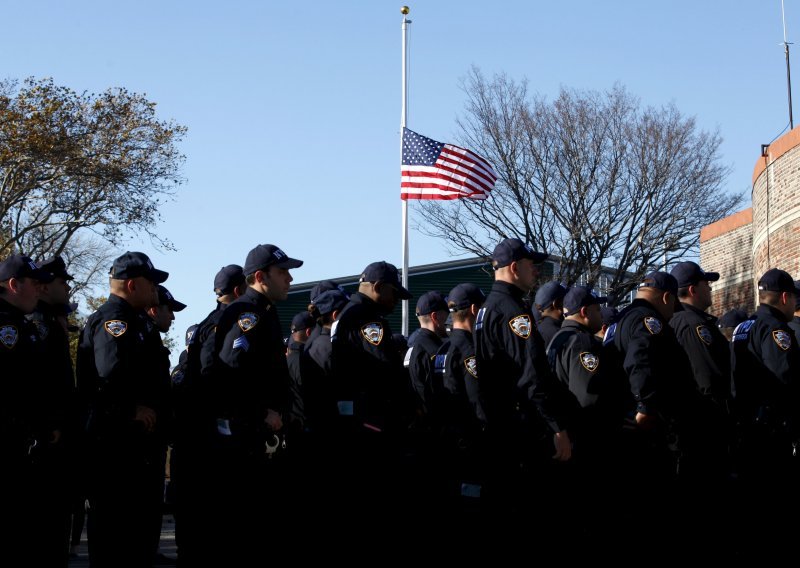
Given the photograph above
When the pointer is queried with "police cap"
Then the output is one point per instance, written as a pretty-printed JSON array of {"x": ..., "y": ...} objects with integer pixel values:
[
  {"x": 21, "y": 266},
  {"x": 776, "y": 280},
  {"x": 430, "y": 302},
  {"x": 513, "y": 249},
  {"x": 165, "y": 298},
  {"x": 608, "y": 315},
  {"x": 549, "y": 293},
  {"x": 732, "y": 318},
  {"x": 302, "y": 321},
  {"x": 464, "y": 295},
  {"x": 579, "y": 297},
  {"x": 330, "y": 301},
  {"x": 382, "y": 271},
  {"x": 323, "y": 286},
  {"x": 688, "y": 273},
  {"x": 227, "y": 279},
  {"x": 56, "y": 266},
  {"x": 264, "y": 256},
  {"x": 661, "y": 281},
  {"x": 135, "y": 264}
]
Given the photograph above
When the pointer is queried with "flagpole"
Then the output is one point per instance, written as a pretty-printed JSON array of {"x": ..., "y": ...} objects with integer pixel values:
[{"x": 403, "y": 119}]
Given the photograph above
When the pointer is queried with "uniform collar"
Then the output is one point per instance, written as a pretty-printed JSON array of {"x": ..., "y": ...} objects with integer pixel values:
[
  {"x": 254, "y": 296},
  {"x": 508, "y": 289},
  {"x": 705, "y": 315},
  {"x": 10, "y": 308},
  {"x": 766, "y": 309},
  {"x": 568, "y": 323}
]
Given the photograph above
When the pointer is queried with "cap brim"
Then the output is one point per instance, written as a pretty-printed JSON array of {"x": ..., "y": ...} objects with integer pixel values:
[
  {"x": 158, "y": 276},
  {"x": 712, "y": 276},
  {"x": 539, "y": 257},
  {"x": 42, "y": 276},
  {"x": 177, "y": 306},
  {"x": 289, "y": 263},
  {"x": 403, "y": 293}
]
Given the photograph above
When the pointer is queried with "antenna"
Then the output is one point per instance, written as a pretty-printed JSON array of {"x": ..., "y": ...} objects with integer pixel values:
[{"x": 788, "y": 70}]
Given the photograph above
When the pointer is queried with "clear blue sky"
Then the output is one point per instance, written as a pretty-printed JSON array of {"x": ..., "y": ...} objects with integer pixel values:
[{"x": 293, "y": 108}]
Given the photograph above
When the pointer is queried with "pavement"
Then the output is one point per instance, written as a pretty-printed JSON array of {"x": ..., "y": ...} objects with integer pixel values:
[{"x": 167, "y": 550}]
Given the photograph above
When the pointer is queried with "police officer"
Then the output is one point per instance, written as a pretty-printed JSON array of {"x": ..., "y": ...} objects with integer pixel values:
[
  {"x": 608, "y": 315},
  {"x": 251, "y": 382},
  {"x": 432, "y": 314},
  {"x": 463, "y": 413},
  {"x": 524, "y": 403},
  {"x": 22, "y": 426},
  {"x": 766, "y": 373},
  {"x": 372, "y": 389},
  {"x": 316, "y": 290},
  {"x": 301, "y": 328},
  {"x": 55, "y": 463},
  {"x": 117, "y": 375},
  {"x": 549, "y": 302},
  {"x": 729, "y": 320},
  {"x": 193, "y": 466}
]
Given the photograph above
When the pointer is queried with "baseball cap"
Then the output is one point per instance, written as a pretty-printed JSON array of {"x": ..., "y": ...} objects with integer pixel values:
[
  {"x": 165, "y": 298},
  {"x": 688, "y": 273},
  {"x": 579, "y": 297},
  {"x": 431, "y": 302},
  {"x": 382, "y": 271},
  {"x": 21, "y": 266},
  {"x": 263, "y": 256},
  {"x": 228, "y": 278},
  {"x": 135, "y": 264},
  {"x": 513, "y": 249},
  {"x": 464, "y": 295},
  {"x": 661, "y": 281}
]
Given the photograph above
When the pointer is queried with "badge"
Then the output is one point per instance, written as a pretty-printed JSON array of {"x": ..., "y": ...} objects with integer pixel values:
[
  {"x": 521, "y": 325},
  {"x": 116, "y": 327},
  {"x": 41, "y": 329},
  {"x": 590, "y": 361},
  {"x": 471, "y": 364},
  {"x": 653, "y": 325},
  {"x": 247, "y": 321},
  {"x": 782, "y": 338},
  {"x": 704, "y": 334},
  {"x": 8, "y": 336},
  {"x": 373, "y": 332}
]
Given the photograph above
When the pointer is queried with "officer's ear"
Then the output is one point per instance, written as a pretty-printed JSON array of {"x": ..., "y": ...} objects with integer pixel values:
[
  {"x": 584, "y": 312},
  {"x": 667, "y": 299}
]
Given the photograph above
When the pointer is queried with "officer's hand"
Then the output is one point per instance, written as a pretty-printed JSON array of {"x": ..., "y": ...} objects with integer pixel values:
[
  {"x": 563, "y": 446},
  {"x": 645, "y": 421},
  {"x": 273, "y": 420},
  {"x": 146, "y": 416}
]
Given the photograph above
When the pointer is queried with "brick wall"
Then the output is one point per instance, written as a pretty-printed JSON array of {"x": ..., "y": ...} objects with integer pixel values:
[{"x": 725, "y": 247}]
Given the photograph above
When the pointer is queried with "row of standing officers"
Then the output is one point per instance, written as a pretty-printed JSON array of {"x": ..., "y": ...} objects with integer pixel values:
[{"x": 572, "y": 430}]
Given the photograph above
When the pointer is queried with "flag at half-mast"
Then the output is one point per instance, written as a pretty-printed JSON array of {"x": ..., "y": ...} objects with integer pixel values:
[{"x": 433, "y": 170}]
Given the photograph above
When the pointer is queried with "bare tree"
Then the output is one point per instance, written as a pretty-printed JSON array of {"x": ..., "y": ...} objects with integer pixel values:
[
  {"x": 72, "y": 163},
  {"x": 591, "y": 177}
]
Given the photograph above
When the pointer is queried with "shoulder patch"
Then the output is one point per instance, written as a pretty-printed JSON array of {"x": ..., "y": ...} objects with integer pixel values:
[
  {"x": 471, "y": 365},
  {"x": 42, "y": 329},
  {"x": 783, "y": 339},
  {"x": 116, "y": 327},
  {"x": 653, "y": 325},
  {"x": 373, "y": 332},
  {"x": 439, "y": 362},
  {"x": 247, "y": 321},
  {"x": 610, "y": 333},
  {"x": 333, "y": 329},
  {"x": 590, "y": 361},
  {"x": 9, "y": 336},
  {"x": 704, "y": 334},
  {"x": 521, "y": 325}
]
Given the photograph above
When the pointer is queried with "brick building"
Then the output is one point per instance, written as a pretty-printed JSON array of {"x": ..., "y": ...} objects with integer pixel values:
[{"x": 743, "y": 246}]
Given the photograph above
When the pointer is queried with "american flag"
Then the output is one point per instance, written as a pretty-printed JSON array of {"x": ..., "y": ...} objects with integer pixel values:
[{"x": 433, "y": 170}]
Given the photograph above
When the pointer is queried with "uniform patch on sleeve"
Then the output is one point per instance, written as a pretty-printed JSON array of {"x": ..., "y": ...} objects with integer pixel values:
[
  {"x": 439, "y": 362},
  {"x": 704, "y": 334},
  {"x": 241, "y": 343},
  {"x": 742, "y": 331},
  {"x": 471, "y": 365},
  {"x": 590, "y": 361},
  {"x": 42, "y": 329},
  {"x": 782, "y": 338},
  {"x": 610, "y": 333},
  {"x": 653, "y": 325},
  {"x": 479, "y": 319},
  {"x": 247, "y": 321},
  {"x": 8, "y": 336},
  {"x": 372, "y": 332},
  {"x": 116, "y": 327},
  {"x": 407, "y": 358},
  {"x": 521, "y": 325}
]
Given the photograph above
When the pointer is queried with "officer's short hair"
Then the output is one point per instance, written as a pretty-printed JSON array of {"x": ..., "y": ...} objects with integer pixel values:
[
  {"x": 683, "y": 292},
  {"x": 459, "y": 315},
  {"x": 769, "y": 296}
]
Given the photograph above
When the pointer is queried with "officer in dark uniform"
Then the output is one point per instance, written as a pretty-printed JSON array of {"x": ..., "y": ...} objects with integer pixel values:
[
  {"x": 729, "y": 320},
  {"x": 463, "y": 413},
  {"x": 192, "y": 465},
  {"x": 251, "y": 384},
  {"x": 524, "y": 403},
  {"x": 795, "y": 323},
  {"x": 372, "y": 389},
  {"x": 549, "y": 302},
  {"x": 710, "y": 358},
  {"x": 22, "y": 426},
  {"x": 432, "y": 314},
  {"x": 608, "y": 316},
  {"x": 55, "y": 463},
  {"x": 302, "y": 326},
  {"x": 316, "y": 290},
  {"x": 664, "y": 399},
  {"x": 766, "y": 375},
  {"x": 118, "y": 377}
]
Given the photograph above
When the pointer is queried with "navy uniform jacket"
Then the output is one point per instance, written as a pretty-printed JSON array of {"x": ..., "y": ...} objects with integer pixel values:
[
  {"x": 766, "y": 372},
  {"x": 162, "y": 379},
  {"x": 516, "y": 383},
  {"x": 20, "y": 359},
  {"x": 250, "y": 374},
  {"x": 419, "y": 362},
  {"x": 116, "y": 373},
  {"x": 547, "y": 328},
  {"x": 708, "y": 351},
  {"x": 367, "y": 367},
  {"x": 59, "y": 396},
  {"x": 464, "y": 407},
  {"x": 658, "y": 370},
  {"x": 296, "y": 407},
  {"x": 576, "y": 361}
]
